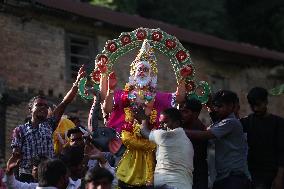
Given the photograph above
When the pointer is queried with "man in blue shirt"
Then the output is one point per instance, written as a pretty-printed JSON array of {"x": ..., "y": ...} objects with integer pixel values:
[{"x": 230, "y": 144}]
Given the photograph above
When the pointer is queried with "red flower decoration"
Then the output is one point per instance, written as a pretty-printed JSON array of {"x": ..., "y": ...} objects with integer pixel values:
[
  {"x": 190, "y": 86},
  {"x": 125, "y": 39},
  {"x": 103, "y": 59},
  {"x": 141, "y": 34},
  {"x": 96, "y": 75},
  {"x": 102, "y": 68},
  {"x": 111, "y": 47},
  {"x": 127, "y": 127},
  {"x": 186, "y": 71},
  {"x": 170, "y": 44},
  {"x": 124, "y": 98},
  {"x": 181, "y": 55},
  {"x": 157, "y": 36}
]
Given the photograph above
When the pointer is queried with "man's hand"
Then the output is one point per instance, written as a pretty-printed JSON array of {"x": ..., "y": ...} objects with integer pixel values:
[
  {"x": 93, "y": 153},
  {"x": 140, "y": 114},
  {"x": 80, "y": 75},
  {"x": 112, "y": 81},
  {"x": 148, "y": 107},
  {"x": 209, "y": 104},
  {"x": 13, "y": 162}
]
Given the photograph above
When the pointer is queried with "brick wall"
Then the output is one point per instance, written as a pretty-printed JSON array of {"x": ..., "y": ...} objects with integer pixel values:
[
  {"x": 32, "y": 55},
  {"x": 32, "y": 59},
  {"x": 15, "y": 115}
]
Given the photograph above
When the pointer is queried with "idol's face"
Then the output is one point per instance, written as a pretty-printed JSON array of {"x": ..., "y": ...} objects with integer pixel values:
[{"x": 142, "y": 74}]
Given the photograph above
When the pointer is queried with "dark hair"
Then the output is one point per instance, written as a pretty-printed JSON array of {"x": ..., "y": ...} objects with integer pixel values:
[
  {"x": 173, "y": 113},
  {"x": 73, "y": 131},
  {"x": 97, "y": 173},
  {"x": 257, "y": 94},
  {"x": 51, "y": 105},
  {"x": 50, "y": 172},
  {"x": 32, "y": 100},
  {"x": 72, "y": 155},
  {"x": 73, "y": 118},
  {"x": 193, "y": 104},
  {"x": 38, "y": 159},
  {"x": 225, "y": 97}
]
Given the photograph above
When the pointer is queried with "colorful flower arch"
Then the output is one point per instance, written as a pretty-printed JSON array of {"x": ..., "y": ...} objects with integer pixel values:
[{"x": 160, "y": 40}]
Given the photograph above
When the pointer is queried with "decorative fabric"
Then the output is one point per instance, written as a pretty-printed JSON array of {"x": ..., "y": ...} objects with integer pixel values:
[
  {"x": 117, "y": 117},
  {"x": 63, "y": 126},
  {"x": 136, "y": 166}
]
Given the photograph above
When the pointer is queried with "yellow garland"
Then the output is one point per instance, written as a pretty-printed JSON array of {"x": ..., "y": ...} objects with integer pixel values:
[
  {"x": 128, "y": 115},
  {"x": 136, "y": 129},
  {"x": 127, "y": 87},
  {"x": 153, "y": 116}
]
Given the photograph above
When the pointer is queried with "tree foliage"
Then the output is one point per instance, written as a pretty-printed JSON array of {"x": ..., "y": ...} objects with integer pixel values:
[{"x": 258, "y": 22}]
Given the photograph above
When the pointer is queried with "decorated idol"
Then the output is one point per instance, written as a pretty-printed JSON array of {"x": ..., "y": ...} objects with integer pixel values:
[
  {"x": 136, "y": 167},
  {"x": 137, "y": 164}
]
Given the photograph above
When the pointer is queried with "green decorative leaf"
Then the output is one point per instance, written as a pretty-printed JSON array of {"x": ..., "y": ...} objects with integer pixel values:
[{"x": 277, "y": 90}]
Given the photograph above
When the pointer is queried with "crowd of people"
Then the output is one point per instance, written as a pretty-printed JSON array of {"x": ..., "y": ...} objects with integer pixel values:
[{"x": 160, "y": 141}]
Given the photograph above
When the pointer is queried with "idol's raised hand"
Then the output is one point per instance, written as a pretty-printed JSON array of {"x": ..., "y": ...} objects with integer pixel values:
[{"x": 112, "y": 81}]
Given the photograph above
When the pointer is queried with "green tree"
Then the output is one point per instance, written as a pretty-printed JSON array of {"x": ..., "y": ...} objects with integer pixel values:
[{"x": 258, "y": 22}]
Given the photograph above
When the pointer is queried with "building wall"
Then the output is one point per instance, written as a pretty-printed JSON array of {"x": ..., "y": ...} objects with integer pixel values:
[
  {"x": 15, "y": 115},
  {"x": 32, "y": 55},
  {"x": 239, "y": 74},
  {"x": 32, "y": 61}
]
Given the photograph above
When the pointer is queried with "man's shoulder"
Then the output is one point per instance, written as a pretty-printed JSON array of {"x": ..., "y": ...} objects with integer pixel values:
[
  {"x": 19, "y": 131},
  {"x": 157, "y": 131},
  {"x": 22, "y": 127},
  {"x": 276, "y": 117},
  {"x": 245, "y": 118},
  {"x": 228, "y": 121},
  {"x": 198, "y": 125},
  {"x": 51, "y": 121}
]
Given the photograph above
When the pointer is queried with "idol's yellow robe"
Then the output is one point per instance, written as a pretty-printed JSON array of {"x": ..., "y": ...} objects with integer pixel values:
[{"x": 137, "y": 164}]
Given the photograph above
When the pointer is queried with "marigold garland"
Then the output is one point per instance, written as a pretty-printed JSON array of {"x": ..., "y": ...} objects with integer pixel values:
[{"x": 133, "y": 126}]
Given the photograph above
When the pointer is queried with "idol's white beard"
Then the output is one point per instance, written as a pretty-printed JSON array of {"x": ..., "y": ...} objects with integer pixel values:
[{"x": 142, "y": 82}]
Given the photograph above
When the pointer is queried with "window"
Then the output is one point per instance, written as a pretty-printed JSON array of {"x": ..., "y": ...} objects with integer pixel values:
[
  {"x": 218, "y": 82},
  {"x": 80, "y": 50}
]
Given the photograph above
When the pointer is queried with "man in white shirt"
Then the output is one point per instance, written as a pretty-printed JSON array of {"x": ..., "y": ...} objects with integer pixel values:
[{"x": 174, "y": 153}]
